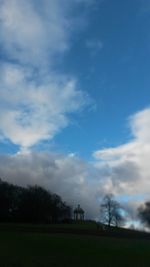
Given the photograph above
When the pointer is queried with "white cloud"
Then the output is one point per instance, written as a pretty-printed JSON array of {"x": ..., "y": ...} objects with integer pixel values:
[
  {"x": 127, "y": 166},
  {"x": 31, "y": 32},
  {"x": 31, "y": 112},
  {"x": 140, "y": 125},
  {"x": 35, "y": 100}
]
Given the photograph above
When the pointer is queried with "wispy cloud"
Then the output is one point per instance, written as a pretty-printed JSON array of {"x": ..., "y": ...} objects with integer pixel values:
[
  {"x": 32, "y": 32},
  {"x": 94, "y": 46},
  {"x": 32, "y": 111},
  {"x": 35, "y": 99}
]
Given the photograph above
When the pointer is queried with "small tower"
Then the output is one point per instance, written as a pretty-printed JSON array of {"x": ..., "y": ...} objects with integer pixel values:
[{"x": 79, "y": 214}]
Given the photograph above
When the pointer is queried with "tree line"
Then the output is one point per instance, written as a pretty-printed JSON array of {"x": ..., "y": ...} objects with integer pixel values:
[{"x": 32, "y": 204}]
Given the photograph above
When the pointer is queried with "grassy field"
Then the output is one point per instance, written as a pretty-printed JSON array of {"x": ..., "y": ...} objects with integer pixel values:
[{"x": 27, "y": 249}]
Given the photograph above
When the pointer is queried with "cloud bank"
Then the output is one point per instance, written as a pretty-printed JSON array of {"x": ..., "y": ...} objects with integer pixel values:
[
  {"x": 65, "y": 175},
  {"x": 123, "y": 171},
  {"x": 127, "y": 168}
]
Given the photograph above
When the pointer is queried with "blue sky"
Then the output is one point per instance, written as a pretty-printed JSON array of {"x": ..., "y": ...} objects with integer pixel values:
[
  {"x": 115, "y": 75},
  {"x": 74, "y": 92}
]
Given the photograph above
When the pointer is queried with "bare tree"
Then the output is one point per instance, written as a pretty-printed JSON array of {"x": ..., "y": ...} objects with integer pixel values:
[{"x": 111, "y": 211}]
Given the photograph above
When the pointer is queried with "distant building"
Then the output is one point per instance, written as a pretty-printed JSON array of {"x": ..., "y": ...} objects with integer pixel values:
[{"x": 78, "y": 214}]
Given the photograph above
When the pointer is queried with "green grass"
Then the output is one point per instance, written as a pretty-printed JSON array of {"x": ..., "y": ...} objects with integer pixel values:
[
  {"x": 91, "y": 225},
  {"x": 23, "y": 249}
]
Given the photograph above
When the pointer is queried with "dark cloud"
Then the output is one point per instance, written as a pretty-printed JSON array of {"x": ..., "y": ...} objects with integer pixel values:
[{"x": 64, "y": 175}]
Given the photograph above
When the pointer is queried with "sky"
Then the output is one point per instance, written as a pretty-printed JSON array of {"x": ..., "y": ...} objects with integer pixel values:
[{"x": 75, "y": 98}]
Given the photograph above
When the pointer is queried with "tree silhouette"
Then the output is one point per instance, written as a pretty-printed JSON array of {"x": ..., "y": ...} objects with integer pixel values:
[
  {"x": 111, "y": 211},
  {"x": 33, "y": 204}
]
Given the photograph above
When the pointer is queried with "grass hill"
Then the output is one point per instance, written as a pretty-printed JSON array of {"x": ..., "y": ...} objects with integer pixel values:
[{"x": 72, "y": 245}]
